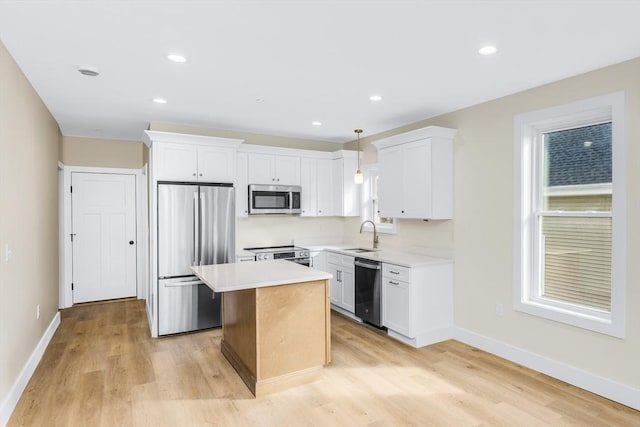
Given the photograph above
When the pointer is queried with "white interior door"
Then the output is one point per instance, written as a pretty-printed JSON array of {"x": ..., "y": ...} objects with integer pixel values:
[{"x": 104, "y": 236}]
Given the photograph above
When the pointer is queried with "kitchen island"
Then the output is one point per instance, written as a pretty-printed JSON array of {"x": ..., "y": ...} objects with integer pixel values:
[{"x": 275, "y": 319}]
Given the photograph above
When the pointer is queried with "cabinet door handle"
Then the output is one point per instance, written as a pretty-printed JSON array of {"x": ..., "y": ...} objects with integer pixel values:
[
  {"x": 194, "y": 174},
  {"x": 273, "y": 179},
  {"x": 200, "y": 174},
  {"x": 394, "y": 272},
  {"x": 393, "y": 283},
  {"x": 402, "y": 211}
]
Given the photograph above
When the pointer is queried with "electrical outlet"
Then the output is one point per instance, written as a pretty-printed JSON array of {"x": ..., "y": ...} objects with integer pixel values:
[
  {"x": 499, "y": 310},
  {"x": 38, "y": 312},
  {"x": 8, "y": 251}
]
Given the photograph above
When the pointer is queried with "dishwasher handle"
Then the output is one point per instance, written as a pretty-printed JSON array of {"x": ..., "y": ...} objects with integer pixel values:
[{"x": 370, "y": 265}]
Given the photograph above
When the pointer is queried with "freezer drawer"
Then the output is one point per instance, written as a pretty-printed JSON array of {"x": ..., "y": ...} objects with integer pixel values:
[{"x": 186, "y": 304}]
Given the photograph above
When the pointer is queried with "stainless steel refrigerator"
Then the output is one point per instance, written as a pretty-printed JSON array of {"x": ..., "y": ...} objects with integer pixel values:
[{"x": 196, "y": 226}]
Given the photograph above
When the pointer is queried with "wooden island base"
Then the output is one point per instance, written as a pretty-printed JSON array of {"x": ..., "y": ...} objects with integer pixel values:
[{"x": 277, "y": 337}]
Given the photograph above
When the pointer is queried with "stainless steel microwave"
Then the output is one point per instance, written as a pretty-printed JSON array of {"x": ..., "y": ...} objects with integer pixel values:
[{"x": 274, "y": 199}]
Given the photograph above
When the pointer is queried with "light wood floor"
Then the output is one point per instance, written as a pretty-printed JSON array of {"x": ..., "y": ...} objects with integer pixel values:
[{"x": 103, "y": 369}]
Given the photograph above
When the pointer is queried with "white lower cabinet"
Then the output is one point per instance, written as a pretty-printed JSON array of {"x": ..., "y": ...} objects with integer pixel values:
[
  {"x": 319, "y": 260},
  {"x": 417, "y": 303},
  {"x": 397, "y": 299},
  {"x": 343, "y": 281}
]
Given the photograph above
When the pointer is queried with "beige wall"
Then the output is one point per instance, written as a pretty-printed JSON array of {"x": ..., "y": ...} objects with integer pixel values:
[
  {"x": 29, "y": 152},
  {"x": 482, "y": 230},
  {"x": 106, "y": 153},
  {"x": 272, "y": 230},
  {"x": 249, "y": 138}
]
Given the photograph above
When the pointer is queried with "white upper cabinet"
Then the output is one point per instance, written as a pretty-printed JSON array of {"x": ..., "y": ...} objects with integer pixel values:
[
  {"x": 274, "y": 169},
  {"x": 327, "y": 185},
  {"x": 308, "y": 197},
  {"x": 191, "y": 158},
  {"x": 390, "y": 193},
  {"x": 346, "y": 194},
  {"x": 216, "y": 164},
  {"x": 416, "y": 174},
  {"x": 324, "y": 188},
  {"x": 242, "y": 186},
  {"x": 176, "y": 162}
]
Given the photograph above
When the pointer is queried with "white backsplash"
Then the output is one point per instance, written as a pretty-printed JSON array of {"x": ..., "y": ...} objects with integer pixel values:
[
  {"x": 433, "y": 238},
  {"x": 278, "y": 230}
]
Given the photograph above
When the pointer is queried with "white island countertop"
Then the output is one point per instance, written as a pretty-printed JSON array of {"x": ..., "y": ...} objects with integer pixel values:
[{"x": 251, "y": 275}]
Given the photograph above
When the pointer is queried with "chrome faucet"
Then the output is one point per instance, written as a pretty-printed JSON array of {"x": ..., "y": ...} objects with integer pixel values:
[{"x": 375, "y": 233}]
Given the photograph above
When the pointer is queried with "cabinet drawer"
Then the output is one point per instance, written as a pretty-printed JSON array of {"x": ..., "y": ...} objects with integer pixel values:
[
  {"x": 388, "y": 281},
  {"x": 348, "y": 261},
  {"x": 334, "y": 258},
  {"x": 339, "y": 259},
  {"x": 396, "y": 272}
]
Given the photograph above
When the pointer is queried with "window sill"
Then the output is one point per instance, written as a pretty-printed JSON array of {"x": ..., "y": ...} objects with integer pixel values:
[{"x": 582, "y": 318}]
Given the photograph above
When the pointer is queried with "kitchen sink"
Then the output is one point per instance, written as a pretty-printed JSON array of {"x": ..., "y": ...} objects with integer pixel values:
[{"x": 359, "y": 250}]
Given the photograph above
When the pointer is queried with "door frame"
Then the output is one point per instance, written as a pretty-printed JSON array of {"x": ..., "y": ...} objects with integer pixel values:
[{"x": 66, "y": 248}]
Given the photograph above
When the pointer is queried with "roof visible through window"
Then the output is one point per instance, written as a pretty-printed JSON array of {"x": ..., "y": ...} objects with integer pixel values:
[{"x": 578, "y": 156}]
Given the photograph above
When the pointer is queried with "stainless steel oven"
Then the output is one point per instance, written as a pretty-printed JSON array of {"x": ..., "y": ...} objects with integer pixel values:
[
  {"x": 290, "y": 253},
  {"x": 274, "y": 199}
]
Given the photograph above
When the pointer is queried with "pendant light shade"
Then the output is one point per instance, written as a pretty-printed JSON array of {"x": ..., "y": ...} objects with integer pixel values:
[{"x": 358, "y": 178}]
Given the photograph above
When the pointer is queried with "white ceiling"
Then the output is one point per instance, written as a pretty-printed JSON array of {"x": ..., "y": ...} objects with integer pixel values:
[{"x": 305, "y": 60}]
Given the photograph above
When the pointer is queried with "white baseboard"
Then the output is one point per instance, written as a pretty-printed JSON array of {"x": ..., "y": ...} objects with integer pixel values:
[
  {"x": 20, "y": 384},
  {"x": 604, "y": 387},
  {"x": 423, "y": 339}
]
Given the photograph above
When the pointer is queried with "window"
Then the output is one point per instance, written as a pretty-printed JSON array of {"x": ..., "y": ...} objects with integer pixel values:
[
  {"x": 370, "y": 201},
  {"x": 570, "y": 213}
]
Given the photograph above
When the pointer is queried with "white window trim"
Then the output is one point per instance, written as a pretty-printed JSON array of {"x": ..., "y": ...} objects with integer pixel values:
[
  {"x": 526, "y": 127},
  {"x": 392, "y": 228}
]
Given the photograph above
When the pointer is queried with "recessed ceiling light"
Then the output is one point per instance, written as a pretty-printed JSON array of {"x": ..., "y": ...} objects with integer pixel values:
[
  {"x": 159, "y": 100},
  {"x": 88, "y": 70},
  {"x": 487, "y": 50},
  {"x": 375, "y": 98},
  {"x": 316, "y": 123},
  {"x": 176, "y": 58}
]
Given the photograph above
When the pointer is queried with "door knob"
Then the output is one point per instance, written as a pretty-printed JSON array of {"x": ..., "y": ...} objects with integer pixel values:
[{"x": 131, "y": 242}]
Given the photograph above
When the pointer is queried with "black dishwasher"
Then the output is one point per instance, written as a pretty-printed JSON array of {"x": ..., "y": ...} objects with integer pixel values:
[{"x": 368, "y": 287}]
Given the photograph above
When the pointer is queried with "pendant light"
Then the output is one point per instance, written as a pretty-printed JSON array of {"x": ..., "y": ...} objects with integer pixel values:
[{"x": 358, "y": 178}]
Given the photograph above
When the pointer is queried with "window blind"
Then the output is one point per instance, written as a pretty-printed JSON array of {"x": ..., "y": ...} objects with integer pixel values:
[{"x": 577, "y": 253}]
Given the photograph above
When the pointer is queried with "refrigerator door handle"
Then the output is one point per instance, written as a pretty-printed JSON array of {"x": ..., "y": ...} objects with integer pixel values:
[
  {"x": 203, "y": 236},
  {"x": 196, "y": 227}
]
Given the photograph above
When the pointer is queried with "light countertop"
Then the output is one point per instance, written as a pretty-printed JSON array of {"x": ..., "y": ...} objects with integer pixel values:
[
  {"x": 251, "y": 275},
  {"x": 391, "y": 256}
]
